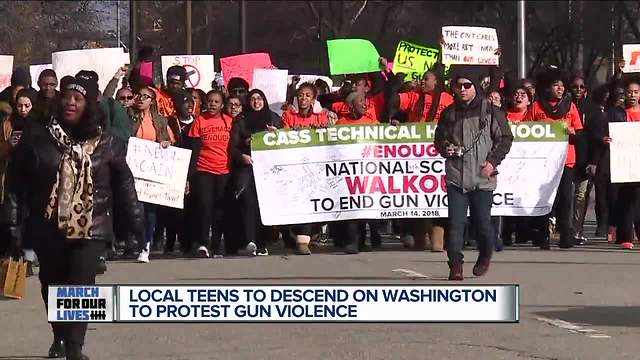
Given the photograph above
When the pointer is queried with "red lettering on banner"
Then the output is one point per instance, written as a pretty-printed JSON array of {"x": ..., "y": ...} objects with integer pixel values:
[
  {"x": 357, "y": 185},
  {"x": 405, "y": 151},
  {"x": 388, "y": 185},
  {"x": 634, "y": 57}
]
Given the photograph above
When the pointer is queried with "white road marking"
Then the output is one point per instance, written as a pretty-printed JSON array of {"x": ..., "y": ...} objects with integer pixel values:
[
  {"x": 410, "y": 273},
  {"x": 576, "y": 329}
]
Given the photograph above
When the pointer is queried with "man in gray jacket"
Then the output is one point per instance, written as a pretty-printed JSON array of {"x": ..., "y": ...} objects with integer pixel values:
[{"x": 474, "y": 137}]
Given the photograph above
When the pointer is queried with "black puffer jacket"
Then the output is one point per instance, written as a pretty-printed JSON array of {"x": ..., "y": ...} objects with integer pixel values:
[{"x": 32, "y": 172}]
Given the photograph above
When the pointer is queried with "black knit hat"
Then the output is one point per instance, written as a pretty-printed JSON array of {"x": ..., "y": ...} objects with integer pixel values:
[
  {"x": 177, "y": 72},
  {"x": 473, "y": 73},
  {"x": 88, "y": 75},
  {"x": 84, "y": 85}
]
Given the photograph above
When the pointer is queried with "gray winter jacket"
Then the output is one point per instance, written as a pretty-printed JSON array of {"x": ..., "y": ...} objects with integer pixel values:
[{"x": 484, "y": 138}]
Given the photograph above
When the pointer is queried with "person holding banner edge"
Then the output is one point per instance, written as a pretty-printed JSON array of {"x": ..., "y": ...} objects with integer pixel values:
[
  {"x": 305, "y": 117},
  {"x": 469, "y": 131}
]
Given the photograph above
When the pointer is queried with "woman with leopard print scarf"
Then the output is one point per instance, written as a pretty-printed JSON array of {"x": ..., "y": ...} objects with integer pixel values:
[{"x": 67, "y": 171}]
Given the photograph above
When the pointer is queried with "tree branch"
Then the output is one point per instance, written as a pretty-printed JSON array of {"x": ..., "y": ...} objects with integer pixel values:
[
  {"x": 630, "y": 21},
  {"x": 364, "y": 5},
  {"x": 322, "y": 19}
]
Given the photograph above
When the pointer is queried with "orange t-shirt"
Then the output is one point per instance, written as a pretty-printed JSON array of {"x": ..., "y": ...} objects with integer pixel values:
[
  {"x": 409, "y": 102},
  {"x": 292, "y": 120},
  {"x": 214, "y": 132},
  {"x": 375, "y": 107},
  {"x": 516, "y": 117},
  {"x": 572, "y": 119},
  {"x": 632, "y": 116},
  {"x": 166, "y": 107},
  {"x": 364, "y": 120},
  {"x": 147, "y": 131}
]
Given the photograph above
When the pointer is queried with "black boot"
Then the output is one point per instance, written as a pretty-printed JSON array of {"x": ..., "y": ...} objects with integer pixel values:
[
  {"x": 74, "y": 352},
  {"x": 57, "y": 351},
  {"x": 102, "y": 266}
]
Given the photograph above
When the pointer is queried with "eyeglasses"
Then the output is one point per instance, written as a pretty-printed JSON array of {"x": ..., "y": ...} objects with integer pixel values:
[
  {"x": 238, "y": 91},
  {"x": 465, "y": 86},
  {"x": 123, "y": 98},
  {"x": 145, "y": 97},
  {"x": 578, "y": 86},
  {"x": 234, "y": 105}
]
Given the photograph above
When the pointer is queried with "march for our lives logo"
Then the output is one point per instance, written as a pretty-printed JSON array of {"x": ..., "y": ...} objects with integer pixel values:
[{"x": 80, "y": 304}]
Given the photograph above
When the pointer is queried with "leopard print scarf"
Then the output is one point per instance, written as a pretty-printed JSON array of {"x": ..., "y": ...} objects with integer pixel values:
[{"x": 71, "y": 198}]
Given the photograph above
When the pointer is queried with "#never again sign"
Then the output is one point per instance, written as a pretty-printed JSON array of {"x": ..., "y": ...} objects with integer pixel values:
[
  {"x": 160, "y": 174},
  {"x": 469, "y": 45}
]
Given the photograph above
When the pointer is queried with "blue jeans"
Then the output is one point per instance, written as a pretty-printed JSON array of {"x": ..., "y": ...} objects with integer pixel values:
[
  {"x": 479, "y": 203},
  {"x": 150, "y": 220}
]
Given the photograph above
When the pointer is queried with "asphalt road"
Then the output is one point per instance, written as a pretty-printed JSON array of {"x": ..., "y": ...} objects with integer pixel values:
[{"x": 582, "y": 303}]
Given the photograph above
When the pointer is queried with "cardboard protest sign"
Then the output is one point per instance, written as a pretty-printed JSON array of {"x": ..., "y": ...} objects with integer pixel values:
[
  {"x": 35, "y": 71},
  {"x": 625, "y": 152},
  {"x": 160, "y": 175},
  {"x": 352, "y": 56},
  {"x": 105, "y": 62},
  {"x": 242, "y": 66},
  {"x": 310, "y": 79},
  {"x": 384, "y": 172},
  {"x": 469, "y": 45},
  {"x": 631, "y": 54},
  {"x": 199, "y": 68},
  {"x": 273, "y": 83},
  {"x": 413, "y": 59},
  {"x": 6, "y": 69}
]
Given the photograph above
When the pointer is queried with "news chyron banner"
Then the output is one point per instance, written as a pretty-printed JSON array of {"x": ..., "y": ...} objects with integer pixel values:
[
  {"x": 284, "y": 303},
  {"x": 382, "y": 172}
]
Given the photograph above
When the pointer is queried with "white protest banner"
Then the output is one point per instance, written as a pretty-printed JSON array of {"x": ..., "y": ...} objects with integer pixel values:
[
  {"x": 469, "y": 45},
  {"x": 378, "y": 172},
  {"x": 35, "y": 71},
  {"x": 274, "y": 85},
  {"x": 6, "y": 69},
  {"x": 625, "y": 152},
  {"x": 105, "y": 62},
  {"x": 631, "y": 54},
  {"x": 199, "y": 68},
  {"x": 160, "y": 174},
  {"x": 310, "y": 79}
]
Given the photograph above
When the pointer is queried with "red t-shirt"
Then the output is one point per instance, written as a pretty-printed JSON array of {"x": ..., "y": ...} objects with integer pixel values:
[
  {"x": 291, "y": 120},
  {"x": 632, "y": 116},
  {"x": 214, "y": 132},
  {"x": 516, "y": 117},
  {"x": 572, "y": 119},
  {"x": 364, "y": 120},
  {"x": 375, "y": 107},
  {"x": 409, "y": 102}
]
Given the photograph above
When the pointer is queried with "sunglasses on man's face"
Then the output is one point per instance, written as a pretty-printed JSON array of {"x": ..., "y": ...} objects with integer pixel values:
[
  {"x": 126, "y": 98},
  {"x": 465, "y": 86},
  {"x": 238, "y": 91},
  {"x": 575, "y": 86}
]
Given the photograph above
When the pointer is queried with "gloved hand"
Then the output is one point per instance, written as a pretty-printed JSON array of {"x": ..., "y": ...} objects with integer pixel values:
[{"x": 591, "y": 170}]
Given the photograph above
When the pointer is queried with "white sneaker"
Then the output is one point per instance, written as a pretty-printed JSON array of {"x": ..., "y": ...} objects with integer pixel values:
[
  {"x": 203, "y": 251},
  {"x": 263, "y": 252},
  {"x": 249, "y": 250},
  {"x": 143, "y": 257}
]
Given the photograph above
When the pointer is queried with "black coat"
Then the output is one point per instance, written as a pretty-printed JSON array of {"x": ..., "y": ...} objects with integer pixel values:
[
  {"x": 240, "y": 144},
  {"x": 33, "y": 169},
  {"x": 600, "y": 129}
]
